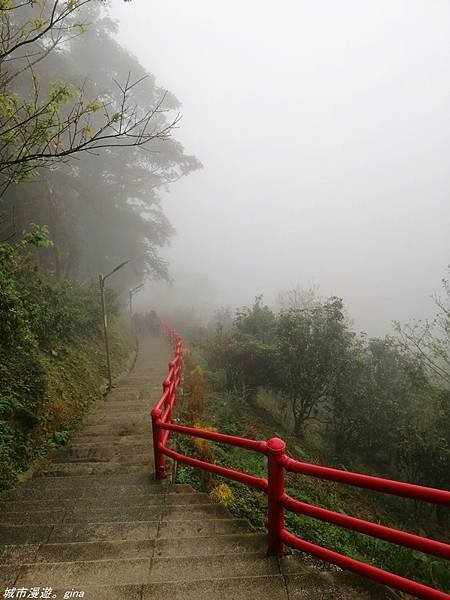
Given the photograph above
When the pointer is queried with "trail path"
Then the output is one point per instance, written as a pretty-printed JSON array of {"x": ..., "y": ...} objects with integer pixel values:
[{"x": 95, "y": 521}]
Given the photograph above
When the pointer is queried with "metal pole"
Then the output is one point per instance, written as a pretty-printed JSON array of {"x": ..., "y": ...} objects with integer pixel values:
[
  {"x": 275, "y": 516},
  {"x": 160, "y": 469},
  {"x": 105, "y": 328}
]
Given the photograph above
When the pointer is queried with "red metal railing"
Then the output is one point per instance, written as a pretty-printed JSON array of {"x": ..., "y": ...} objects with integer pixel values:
[{"x": 274, "y": 486}]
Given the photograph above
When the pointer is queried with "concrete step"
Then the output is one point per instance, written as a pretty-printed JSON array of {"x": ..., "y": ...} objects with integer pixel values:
[
  {"x": 327, "y": 586},
  {"x": 135, "y": 380},
  {"x": 136, "y": 427},
  {"x": 269, "y": 587},
  {"x": 25, "y": 534},
  {"x": 81, "y": 573},
  {"x": 93, "y": 532},
  {"x": 187, "y": 498},
  {"x": 202, "y": 527},
  {"x": 244, "y": 588},
  {"x": 102, "y": 454},
  {"x": 110, "y": 441},
  {"x": 54, "y": 552},
  {"x": 264, "y": 587},
  {"x": 42, "y": 517},
  {"x": 78, "y": 532},
  {"x": 101, "y": 481},
  {"x": 145, "y": 570},
  {"x": 118, "y": 513},
  {"x": 119, "y": 530},
  {"x": 147, "y": 513},
  {"x": 123, "y": 499},
  {"x": 193, "y": 568},
  {"x": 90, "y": 454},
  {"x": 102, "y": 592},
  {"x": 195, "y": 512},
  {"x": 241, "y": 543},
  {"x": 122, "y": 395},
  {"x": 119, "y": 408},
  {"x": 17, "y": 555},
  {"x": 109, "y": 515},
  {"x": 118, "y": 411},
  {"x": 129, "y": 397},
  {"x": 73, "y": 469},
  {"x": 104, "y": 494},
  {"x": 124, "y": 420},
  {"x": 115, "y": 437},
  {"x": 117, "y": 404},
  {"x": 8, "y": 575},
  {"x": 77, "y": 551},
  {"x": 125, "y": 457},
  {"x": 125, "y": 444}
]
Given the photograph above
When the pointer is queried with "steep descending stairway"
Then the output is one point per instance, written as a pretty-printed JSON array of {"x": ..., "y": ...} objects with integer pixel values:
[{"x": 94, "y": 521}]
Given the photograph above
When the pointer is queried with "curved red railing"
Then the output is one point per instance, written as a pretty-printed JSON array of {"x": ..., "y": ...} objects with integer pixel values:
[{"x": 278, "y": 464}]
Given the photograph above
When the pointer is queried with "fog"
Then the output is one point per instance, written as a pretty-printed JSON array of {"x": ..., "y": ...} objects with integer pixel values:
[{"x": 324, "y": 134}]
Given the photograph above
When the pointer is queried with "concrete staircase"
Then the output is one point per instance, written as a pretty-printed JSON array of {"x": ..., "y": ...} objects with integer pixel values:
[{"x": 94, "y": 521}]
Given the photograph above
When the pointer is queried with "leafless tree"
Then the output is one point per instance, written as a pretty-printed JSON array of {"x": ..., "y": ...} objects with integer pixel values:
[{"x": 430, "y": 339}]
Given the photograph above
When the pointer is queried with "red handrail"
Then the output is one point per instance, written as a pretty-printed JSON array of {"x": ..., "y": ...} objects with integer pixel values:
[
  {"x": 274, "y": 486},
  {"x": 396, "y": 488}
]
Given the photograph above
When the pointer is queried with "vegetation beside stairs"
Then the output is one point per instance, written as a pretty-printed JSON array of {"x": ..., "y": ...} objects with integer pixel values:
[{"x": 95, "y": 524}]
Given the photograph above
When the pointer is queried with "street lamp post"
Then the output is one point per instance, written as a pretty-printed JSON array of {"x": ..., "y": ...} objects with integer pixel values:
[
  {"x": 131, "y": 293},
  {"x": 101, "y": 279}
]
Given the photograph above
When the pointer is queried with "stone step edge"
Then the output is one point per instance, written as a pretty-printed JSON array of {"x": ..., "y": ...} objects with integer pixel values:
[
  {"x": 189, "y": 507},
  {"x": 165, "y": 523},
  {"x": 141, "y": 586},
  {"x": 99, "y": 561},
  {"x": 217, "y": 536},
  {"x": 82, "y": 499},
  {"x": 85, "y": 504},
  {"x": 103, "y": 492},
  {"x": 70, "y": 522}
]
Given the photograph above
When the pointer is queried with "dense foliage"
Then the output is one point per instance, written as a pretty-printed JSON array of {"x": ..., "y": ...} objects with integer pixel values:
[
  {"x": 104, "y": 207},
  {"x": 373, "y": 403},
  {"x": 51, "y": 344}
]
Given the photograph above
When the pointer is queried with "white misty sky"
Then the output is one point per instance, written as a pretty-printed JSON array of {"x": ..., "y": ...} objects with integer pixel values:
[{"x": 324, "y": 132}]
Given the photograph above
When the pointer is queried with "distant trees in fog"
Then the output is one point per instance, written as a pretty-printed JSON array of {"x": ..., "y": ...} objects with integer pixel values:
[{"x": 374, "y": 401}]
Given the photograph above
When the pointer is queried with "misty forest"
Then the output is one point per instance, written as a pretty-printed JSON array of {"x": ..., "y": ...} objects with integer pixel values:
[{"x": 289, "y": 221}]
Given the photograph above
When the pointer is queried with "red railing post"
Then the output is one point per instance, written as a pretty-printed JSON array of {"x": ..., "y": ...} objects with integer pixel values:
[
  {"x": 172, "y": 385},
  {"x": 160, "y": 466},
  {"x": 275, "y": 513}
]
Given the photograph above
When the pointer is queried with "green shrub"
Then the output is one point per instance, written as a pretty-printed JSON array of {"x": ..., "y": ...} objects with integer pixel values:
[{"x": 51, "y": 350}]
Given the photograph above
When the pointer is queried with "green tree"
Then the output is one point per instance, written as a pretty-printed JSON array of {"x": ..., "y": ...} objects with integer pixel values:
[
  {"x": 382, "y": 387},
  {"x": 311, "y": 346},
  {"x": 104, "y": 208},
  {"x": 45, "y": 121},
  {"x": 246, "y": 353}
]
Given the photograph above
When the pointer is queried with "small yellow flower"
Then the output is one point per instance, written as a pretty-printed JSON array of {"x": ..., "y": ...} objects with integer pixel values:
[{"x": 221, "y": 494}]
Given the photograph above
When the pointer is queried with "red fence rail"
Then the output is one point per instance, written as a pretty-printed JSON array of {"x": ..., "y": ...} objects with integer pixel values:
[{"x": 278, "y": 463}]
